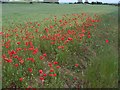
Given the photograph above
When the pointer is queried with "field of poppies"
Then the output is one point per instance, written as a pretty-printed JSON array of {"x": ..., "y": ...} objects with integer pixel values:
[{"x": 43, "y": 48}]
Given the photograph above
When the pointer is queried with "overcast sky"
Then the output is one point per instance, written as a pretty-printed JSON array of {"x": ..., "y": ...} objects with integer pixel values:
[{"x": 104, "y": 1}]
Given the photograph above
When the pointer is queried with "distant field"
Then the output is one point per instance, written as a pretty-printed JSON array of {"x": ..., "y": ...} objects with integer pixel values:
[
  {"x": 60, "y": 45},
  {"x": 40, "y": 11}
]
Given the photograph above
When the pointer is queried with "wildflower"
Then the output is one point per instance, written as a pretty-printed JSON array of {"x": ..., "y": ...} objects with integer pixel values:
[
  {"x": 31, "y": 59},
  {"x": 107, "y": 41},
  {"x": 13, "y": 52},
  {"x": 1, "y": 33},
  {"x": 41, "y": 78},
  {"x": 35, "y": 51},
  {"x": 60, "y": 47},
  {"x": 3, "y": 56},
  {"x": 52, "y": 43},
  {"x": 18, "y": 43},
  {"x": 88, "y": 32},
  {"x": 83, "y": 30},
  {"x": 30, "y": 70},
  {"x": 31, "y": 44},
  {"x": 62, "y": 38},
  {"x": 24, "y": 49},
  {"x": 44, "y": 75},
  {"x": 40, "y": 71},
  {"x": 17, "y": 35},
  {"x": 9, "y": 60},
  {"x": 81, "y": 35},
  {"x": 31, "y": 48},
  {"x": 55, "y": 62},
  {"x": 21, "y": 61},
  {"x": 44, "y": 54},
  {"x": 26, "y": 43},
  {"x": 46, "y": 29},
  {"x": 16, "y": 56},
  {"x": 69, "y": 38},
  {"x": 21, "y": 79},
  {"x": 51, "y": 70},
  {"x": 60, "y": 20},
  {"x": 51, "y": 27},
  {"x": 55, "y": 75},
  {"x": 16, "y": 65},
  {"x": 57, "y": 67},
  {"x": 36, "y": 30},
  {"x": 76, "y": 65},
  {"x": 66, "y": 41},
  {"x": 7, "y": 46},
  {"x": 18, "y": 49},
  {"x": 50, "y": 64},
  {"x": 69, "y": 31},
  {"x": 41, "y": 57},
  {"x": 89, "y": 36},
  {"x": 38, "y": 24}
]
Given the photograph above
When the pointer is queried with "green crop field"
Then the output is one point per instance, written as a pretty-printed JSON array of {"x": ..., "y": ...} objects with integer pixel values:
[{"x": 59, "y": 46}]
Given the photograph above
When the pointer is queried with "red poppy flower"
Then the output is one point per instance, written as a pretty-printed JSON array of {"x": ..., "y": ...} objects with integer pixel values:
[
  {"x": 40, "y": 71},
  {"x": 7, "y": 46},
  {"x": 44, "y": 75},
  {"x": 107, "y": 41},
  {"x": 16, "y": 56},
  {"x": 60, "y": 47},
  {"x": 9, "y": 60},
  {"x": 46, "y": 29},
  {"x": 38, "y": 24},
  {"x": 62, "y": 38},
  {"x": 31, "y": 48},
  {"x": 35, "y": 51},
  {"x": 66, "y": 41},
  {"x": 57, "y": 67},
  {"x": 52, "y": 43},
  {"x": 30, "y": 70},
  {"x": 60, "y": 20},
  {"x": 41, "y": 57},
  {"x": 55, "y": 75},
  {"x": 51, "y": 27},
  {"x": 83, "y": 30},
  {"x": 16, "y": 65},
  {"x": 76, "y": 65},
  {"x": 50, "y": 64},
  {"x": 18, "y": 43},
  {"x": 55, "y": 62},
  {"x": 81, "y": 35},
  {"x": 21, "y": 61},
  {"x": 1, "y": 33},
  {"x": 51, "y": 70},
  {"x": 21, "y": 79},
  {"x": 41, "y": 78},
  {"x": 36, "y": 30},
  {"x": 18, "y": 49},
  {"x": 26, "y": 43},
  {"x": 31, "y": 59},
  {"x": 44, "y": 54},
  {"x": 13, "y": 52},
  {"x": 89, "y": 36}
]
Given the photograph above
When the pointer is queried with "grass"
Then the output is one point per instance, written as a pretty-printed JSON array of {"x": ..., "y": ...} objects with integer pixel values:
[
  {"x": 98, "y": 60},
  {"x": 21, "y": 12}
]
